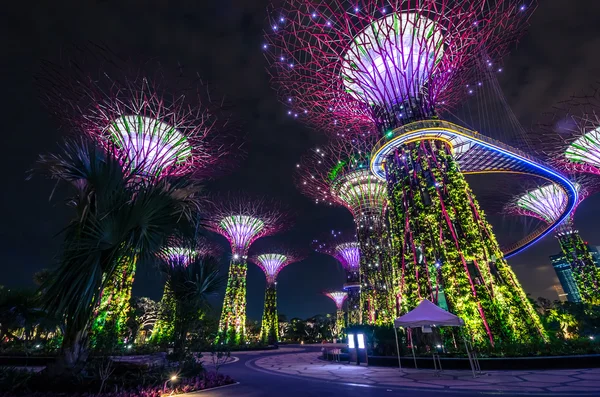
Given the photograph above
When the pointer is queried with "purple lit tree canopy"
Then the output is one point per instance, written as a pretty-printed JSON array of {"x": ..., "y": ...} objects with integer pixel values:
[
  {"x": 339, "y": 173},
  {"x": 272, "y": 263},
  {"x": 159, "y": 126},
  {"x": 571, "y": 133},
  {"x": 343, "y": 247},
  {"x": 338, "y": 297},
  {"x": 379, "y": 64},
  {"x": 243, "y": 220}
]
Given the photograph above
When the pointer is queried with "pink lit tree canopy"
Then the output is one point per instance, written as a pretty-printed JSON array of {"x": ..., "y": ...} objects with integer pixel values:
[
  {"x": 547, "y": 202},
  {"x": 339, "y": 173},
  {"x": 343, "y": 247},
  {"x": 273, "y": 262},
  {"x": 338, "y": 297},
  {"x": 375, "y": 63},
  {"x": 243, "y": 220},
  {"x": 570, "y": 134},
  {"x": 159, "y": 126}
]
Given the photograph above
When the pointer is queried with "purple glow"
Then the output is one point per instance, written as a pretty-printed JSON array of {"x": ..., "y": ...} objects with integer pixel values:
[
  {"x": 338, "y": 297},
  {"x": 349, "y": 255},
  {"x": 241, "y": 230},
  {"x": 271, "y": 264},
  {"x": 150, "y": 145},
  {"x": 178, "y": 255},
  {"x": 392, "y": 58}
]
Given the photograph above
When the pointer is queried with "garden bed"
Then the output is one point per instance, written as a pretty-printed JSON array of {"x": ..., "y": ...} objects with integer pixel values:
[
  {"x": 506, "y": 363},
  {"x": 186, "y": 385}
]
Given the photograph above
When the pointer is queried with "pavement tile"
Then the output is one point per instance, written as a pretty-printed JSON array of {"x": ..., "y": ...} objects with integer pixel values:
[
  {"x": 573, "y": 388},
  {"x": 587, "y": 383},
  {"x": 588, "y": 376},
  {"x": 547, "y": 378}
]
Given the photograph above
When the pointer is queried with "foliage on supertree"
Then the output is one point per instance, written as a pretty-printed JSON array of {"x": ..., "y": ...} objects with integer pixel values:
[
  {"x": 338, "y": 297},
  {"x": 339, "y": 173},
  {"x": 370, "y": 66},
  {"x": 546, "y": 203},
  {"x": 179, "y": 252},
  {"x": 241, "y": 220},
  {"x": 378, "y": 64},
  {"x": 344, "y": 247},
  {"x": 447, "y": 251},
  {"x": 271, "y": 264},
  {"x": 109, "y": 326}
]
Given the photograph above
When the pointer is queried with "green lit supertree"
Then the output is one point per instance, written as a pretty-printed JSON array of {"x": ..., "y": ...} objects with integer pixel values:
[
  {"x": 391, "y": 69},
  {"x": 338, "y": 297},
  {"x": 271, "y": 264},
  {"x": 159, "y": 127},
  {"x": 178, "y": 253},
  {"x": 546, "y": 203},
  {"x": 241, "y": 221},
  {"x": 344, "y": 247},
  {"x": 339, "y": 174}
]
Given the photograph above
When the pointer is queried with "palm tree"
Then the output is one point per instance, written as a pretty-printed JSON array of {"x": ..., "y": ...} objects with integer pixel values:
[
  {"x": 191, "y": 281},
  {"x": 118, "y": 216}
]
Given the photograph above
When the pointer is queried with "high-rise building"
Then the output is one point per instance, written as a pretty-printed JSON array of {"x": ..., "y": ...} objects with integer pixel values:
[{"x": 565, "y": 275}]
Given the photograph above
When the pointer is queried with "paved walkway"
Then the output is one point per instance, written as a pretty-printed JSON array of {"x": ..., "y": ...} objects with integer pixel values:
[{"x": 308, "y": 365}]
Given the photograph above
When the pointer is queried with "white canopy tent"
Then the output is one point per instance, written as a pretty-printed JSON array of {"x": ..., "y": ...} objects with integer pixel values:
[{"x": 427, "y": 314}]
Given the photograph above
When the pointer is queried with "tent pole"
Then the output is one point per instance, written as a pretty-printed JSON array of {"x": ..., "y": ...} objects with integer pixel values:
[
  {"x": 469, "y": 355},
  {"x": 397, "y": 347},
  {"x": 412, "y": 345}
]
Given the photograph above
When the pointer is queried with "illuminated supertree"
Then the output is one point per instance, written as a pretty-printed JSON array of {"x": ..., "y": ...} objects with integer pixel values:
[
  {"x": 345, "y": 248},
  {"x": 242, "y": 221},
  {"x": 339, "y": 297},
  {"x": 157, "y": 126},
  {"x": 546, "y": 203},
  {"x": 570, "y": 135},
  {"x": 339, "y": 174},
  {"x": 390, "y": 68},
  {"x": 179, "y": 253},
  {"x": 271, "y": 264}
]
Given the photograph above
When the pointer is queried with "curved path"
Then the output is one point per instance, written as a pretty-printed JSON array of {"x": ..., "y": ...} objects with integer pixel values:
[{"x": 298, "y": 372}]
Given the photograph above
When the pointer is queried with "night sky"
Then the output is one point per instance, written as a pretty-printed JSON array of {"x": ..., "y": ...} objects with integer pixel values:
[{"x": 221, "y": 40}]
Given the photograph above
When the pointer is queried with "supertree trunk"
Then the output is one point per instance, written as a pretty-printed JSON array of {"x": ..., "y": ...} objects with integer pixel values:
[
  {"x": 354, "y": 305},
  {"x": 163, "y": 331},
  {"x": 110, "y": 322},
  {"x": 232, "y": 326},
  {"x": 377, "y": 276},
  {"x": 269, "y": 332},
  {"x": 585, "y": 271},
  {"x": 444, "y": 247},
  {"x": 339, "y": 323}
]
